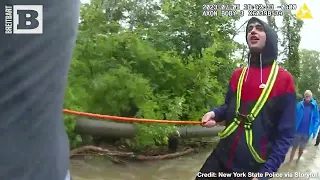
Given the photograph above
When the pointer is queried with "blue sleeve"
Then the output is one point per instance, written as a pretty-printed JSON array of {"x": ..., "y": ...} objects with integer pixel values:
[
  {"x": 298, "y": 113},
  {"x": 286, "y": 130},
  {"x": 220, "y": 111},
  {"x": 316, "y": 121}
]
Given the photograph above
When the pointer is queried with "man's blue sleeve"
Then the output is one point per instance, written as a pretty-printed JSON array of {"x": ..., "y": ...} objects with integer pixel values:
[
  {"x": 220, "y": 111},
  {"x": 316, "y": 119}
]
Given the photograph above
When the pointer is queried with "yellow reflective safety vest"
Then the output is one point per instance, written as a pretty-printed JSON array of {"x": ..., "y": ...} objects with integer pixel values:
[{"x": 254, "y": 112}]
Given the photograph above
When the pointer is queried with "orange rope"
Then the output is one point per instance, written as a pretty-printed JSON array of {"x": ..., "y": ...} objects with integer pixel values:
[{"x": 118, "y": 118}]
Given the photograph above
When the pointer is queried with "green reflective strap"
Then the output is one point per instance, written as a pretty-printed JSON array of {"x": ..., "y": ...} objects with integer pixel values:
[
  {"x": 254, "y": 112},
  {"x": 239, "y": 88},
  {"x": 265, "y": 92},
  {"x": 228, "y": 130},
  {"x": 235, "y": 123},
  {"x": 257, "y": 108},
  {"x": 254, "y": 153}
]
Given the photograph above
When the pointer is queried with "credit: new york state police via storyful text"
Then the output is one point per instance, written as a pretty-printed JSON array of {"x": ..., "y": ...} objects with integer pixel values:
[{"x": 260, "y": 175}]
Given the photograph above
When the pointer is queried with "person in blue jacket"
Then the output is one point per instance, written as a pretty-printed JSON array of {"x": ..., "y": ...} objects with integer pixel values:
[{"x": 307, "y": 123}]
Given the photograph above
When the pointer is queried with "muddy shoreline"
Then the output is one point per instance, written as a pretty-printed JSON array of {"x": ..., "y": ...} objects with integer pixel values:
[{"x": 120, "y": 153}]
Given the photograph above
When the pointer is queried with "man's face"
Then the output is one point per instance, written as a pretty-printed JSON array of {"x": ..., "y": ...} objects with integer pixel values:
[
  {"x": 256, "y": 37},
  {"x": 307, "y": 97}
]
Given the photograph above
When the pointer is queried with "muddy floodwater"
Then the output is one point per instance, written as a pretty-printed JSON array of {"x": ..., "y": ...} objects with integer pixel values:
[{"x": 183, "y": 168}]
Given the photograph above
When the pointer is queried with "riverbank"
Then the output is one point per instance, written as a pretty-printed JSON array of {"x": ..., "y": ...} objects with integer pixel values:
[
  {"x": 140, "y": 142},
  {"x": 120, "y": 152},
  {"x": 182, "y": 168}
]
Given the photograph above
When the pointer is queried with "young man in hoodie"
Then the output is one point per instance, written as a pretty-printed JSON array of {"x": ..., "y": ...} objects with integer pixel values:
[{"x": 259, "y": 112}]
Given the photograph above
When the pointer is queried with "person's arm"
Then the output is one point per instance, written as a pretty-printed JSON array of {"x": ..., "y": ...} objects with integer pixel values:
[
  {"x": 220, "y": 111},
  {"x": 299, "y": 105},
  {"x": 316, "y": 123},
  {"x": 286, "y": 130}
]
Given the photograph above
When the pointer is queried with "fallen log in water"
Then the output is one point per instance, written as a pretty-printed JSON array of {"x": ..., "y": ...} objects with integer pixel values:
[
  {"x": 163, "y": 157},
  {"x": 103, "y": 151},
  {"x": 130, "y": 155},
  {"x": 127, "y": 130},
  {"x": 82, "y": 151}
]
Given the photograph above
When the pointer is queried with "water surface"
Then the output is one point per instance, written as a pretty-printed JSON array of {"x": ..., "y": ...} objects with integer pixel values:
[{"x": 183, "y": 168}]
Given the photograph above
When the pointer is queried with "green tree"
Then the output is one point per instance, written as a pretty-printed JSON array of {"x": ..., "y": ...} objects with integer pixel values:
[
  {"x": 291, "y": 40},
  {"x": 150, "y": 60},
  {"x": 310, "y": 72}
]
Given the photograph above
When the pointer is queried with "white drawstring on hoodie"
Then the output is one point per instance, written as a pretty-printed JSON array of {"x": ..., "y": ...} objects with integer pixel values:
[{"x": 262, "y": 85}]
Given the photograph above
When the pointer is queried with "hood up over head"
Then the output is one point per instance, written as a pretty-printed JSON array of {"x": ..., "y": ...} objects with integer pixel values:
[{"x": 270, "y": 51}]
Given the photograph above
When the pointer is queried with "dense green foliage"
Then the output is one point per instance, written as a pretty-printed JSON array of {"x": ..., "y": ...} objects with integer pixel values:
[
  {"x": 148, "y": 60},
  {"x": 309, "y": 72},
  {"x": 291, "y": 31},
  {"x": 170, "y": 66}
]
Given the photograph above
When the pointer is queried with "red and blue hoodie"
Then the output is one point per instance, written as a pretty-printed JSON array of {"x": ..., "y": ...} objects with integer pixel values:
[{"x": 274, "y": 127}]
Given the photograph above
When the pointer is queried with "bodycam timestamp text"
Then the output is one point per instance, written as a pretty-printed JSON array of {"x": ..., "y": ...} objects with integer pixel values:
[
  {"x": 305, "y": 175},
  {"x": 212, "y": 10}
]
